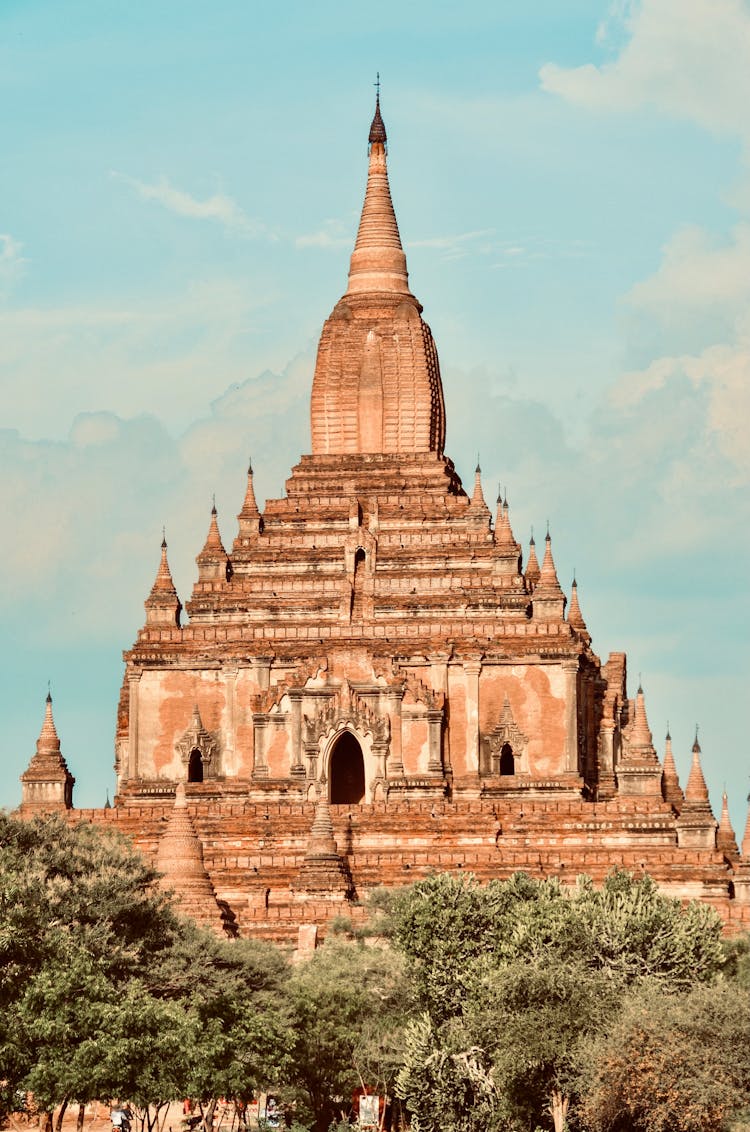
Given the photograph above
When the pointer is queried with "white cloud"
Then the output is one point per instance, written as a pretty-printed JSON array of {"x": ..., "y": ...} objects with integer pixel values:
[
  {"x": 722, "y": 374},
  {"x": 11, "y": 261},
  {"x": 504, "y": 252},
  {"x": 698, "y": 303},
  {"x": 145, "y": 357},
  {"x": 698, "y": 273},
  {"x": 459, "y": 245},
  {"x": 698, "y": 296},
  {"x": 686, "y": 58},
  {"x": 331, "y": 234},
  {"x": 218, "y": 207}
]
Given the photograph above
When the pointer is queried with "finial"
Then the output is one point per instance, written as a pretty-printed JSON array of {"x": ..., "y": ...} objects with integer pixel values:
[
  {"x": 547, "y": 536},
  {"x": 696, "y": 744},
  {"x": 49, "y": 693},
  {"x": 249, "y": 465},
  {"x": 164, "y": 538},
  {"x": 478, "y": 468},
  {"x": 505, "y": 496},
  {"x": 213, "y": 504},
  {"x": 499, "y": 494},
  {"x": 668, "y": 736},
  {"x": 377, "y": 128},
  {"x": 640, "y": 684},
  {"x": 531, "y": 540}
]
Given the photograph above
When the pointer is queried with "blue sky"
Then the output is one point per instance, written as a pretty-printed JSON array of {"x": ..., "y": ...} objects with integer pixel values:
[{"x": 181, "y": 186}]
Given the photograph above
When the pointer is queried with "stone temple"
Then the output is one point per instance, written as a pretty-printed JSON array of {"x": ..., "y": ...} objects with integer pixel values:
[{"x": 373, "y": 681}]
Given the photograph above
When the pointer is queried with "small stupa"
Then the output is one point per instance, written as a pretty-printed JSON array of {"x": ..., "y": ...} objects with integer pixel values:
[{"x": 179, "y": 859}]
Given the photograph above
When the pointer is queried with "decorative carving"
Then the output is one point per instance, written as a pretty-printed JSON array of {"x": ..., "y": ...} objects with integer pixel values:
[
  {"x": 385, "y": 667},
  {"x": 262, "y": 702},
  {"x": 417, "y": 692},
  {"x": 121, "y": 754},
  {"x": 505, "y": 732},
  {"x": 309, "y": 670},
  {"x": 348, "y": 707},
  {"x": 196, "y": 738}
]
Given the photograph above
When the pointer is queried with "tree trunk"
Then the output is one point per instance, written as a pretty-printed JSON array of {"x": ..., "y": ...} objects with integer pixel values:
[
  {"x": 60, "y": 1115},
  {"x": 208, "y": 1116},
  {"x": 81, "y": 1117},
  {"x": 45, "y": 1122},
  {"x": 558, "y": 1108}
]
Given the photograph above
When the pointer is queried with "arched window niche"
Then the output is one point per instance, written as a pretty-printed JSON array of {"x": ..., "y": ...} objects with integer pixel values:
[{"x": 195, "y": 766}]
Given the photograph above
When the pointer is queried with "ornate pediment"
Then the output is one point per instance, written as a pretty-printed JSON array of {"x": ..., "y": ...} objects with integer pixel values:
[
  {"x": 507, "y": 731},
  {"x": 197, "y": 738},
  {"x": 346, "y": 709}
]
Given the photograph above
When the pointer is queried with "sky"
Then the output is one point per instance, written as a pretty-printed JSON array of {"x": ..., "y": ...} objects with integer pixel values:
[{"x": 181, "y": 184}]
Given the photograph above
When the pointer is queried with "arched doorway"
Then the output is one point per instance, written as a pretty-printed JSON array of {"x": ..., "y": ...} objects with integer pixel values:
[
  {"x": 346, "y": 773},
  {"x": 507, "y": 762},
  {"x": 195, "y": 766}
]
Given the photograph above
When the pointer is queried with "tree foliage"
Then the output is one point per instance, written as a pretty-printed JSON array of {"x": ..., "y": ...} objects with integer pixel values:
[
  {"x": 80, "y": 919},
  {"x": 671, "y": 1063},
  {"x": 495, "y": 1007},
  {"x": 450, "y": 927},
  {"x": 446, "y": 1081},
  {"x": 532, "y": 1021},
  {"x": 515, "y": 976},
  {"x": 346, "y": 1007},
  {"x": 104, "y": 991}
]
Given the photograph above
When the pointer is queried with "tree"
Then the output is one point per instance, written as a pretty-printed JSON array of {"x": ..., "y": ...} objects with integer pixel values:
[
  {"x": 446, "y": 1081},
  {"x": 443, "y": 925},
  {"x": 80, "y": 919},
  {"x": 631, "y": 929},
  {"x": 532, "y": 1021},
  {"x": 346, "y": 1005},
  {"x": 540, "y": 965},
  {"x": 736, "y": 954},
  {"x": 671, "y": 1063},
  {"x": 233, "y": 992},
  {"x": 450, "y": 927}
]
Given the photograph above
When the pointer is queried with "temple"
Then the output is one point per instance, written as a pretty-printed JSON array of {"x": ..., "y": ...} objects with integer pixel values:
[{"x": 371, "y": 683}]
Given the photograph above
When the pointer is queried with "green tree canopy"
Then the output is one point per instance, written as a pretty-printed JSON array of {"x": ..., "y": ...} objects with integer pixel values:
[
  {"x": 80, "y": 919},
  {"x": 105, "y": 992},
  {"x": 514, "y": 976},
  {"x": 346, "y": 1004}
]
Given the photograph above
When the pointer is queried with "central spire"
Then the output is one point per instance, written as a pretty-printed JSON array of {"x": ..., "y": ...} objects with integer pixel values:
[
  {"x": 378, "y": 262},
  {"x": 377, "y": 385}
]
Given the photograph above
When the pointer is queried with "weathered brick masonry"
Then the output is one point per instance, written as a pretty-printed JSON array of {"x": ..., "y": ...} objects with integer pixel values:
[{"x": 371, "y": 684}]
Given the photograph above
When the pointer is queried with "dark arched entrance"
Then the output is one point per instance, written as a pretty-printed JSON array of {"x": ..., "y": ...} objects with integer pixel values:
[
  {"x": 347, "y": 771},
  {"x": 507, "y": 763},
  {"x": 195, "y": 767}
]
